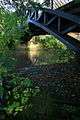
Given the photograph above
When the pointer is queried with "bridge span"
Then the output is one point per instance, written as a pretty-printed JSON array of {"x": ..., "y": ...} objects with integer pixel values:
[{"x": 58, "y": 18}]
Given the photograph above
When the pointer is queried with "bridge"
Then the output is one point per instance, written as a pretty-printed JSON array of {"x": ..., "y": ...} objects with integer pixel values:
[{"x": 58, "y": 18}]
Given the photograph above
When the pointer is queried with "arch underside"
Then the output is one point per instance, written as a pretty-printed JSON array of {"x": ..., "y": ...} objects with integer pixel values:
[{"x": 59, "y": 23}]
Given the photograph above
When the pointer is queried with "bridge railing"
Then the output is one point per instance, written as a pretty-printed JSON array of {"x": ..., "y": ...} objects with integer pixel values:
[
  {"x": 35, "y": 13},
  {"x": 54, "y": 4},
  {"x": 51, "y": 4}
]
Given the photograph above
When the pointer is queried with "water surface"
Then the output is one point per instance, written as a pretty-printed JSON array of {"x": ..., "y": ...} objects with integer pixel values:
[{"x": 34, "y": 54}]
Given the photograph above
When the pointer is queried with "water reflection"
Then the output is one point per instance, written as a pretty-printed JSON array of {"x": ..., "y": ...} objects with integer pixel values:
[
  {"x": 34, "y": 51},
  {"x": 34, "y": 54},
  {"x": 39, "y": 55},
  {"x": 22, "y": 57}
]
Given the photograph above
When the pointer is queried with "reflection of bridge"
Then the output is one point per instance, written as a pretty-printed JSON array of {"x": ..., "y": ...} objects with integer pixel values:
[{"x": 58, "y": 18}]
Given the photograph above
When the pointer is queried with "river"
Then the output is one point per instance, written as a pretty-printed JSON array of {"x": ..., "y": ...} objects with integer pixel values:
[{"x": 34, "y": 54}]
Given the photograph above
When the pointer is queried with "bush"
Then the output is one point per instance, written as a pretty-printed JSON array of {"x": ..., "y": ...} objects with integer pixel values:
[
  {"x": 15, "y": 91},
  {"x": 12, "y": 28},
  {"x": 18, "y": 92},
  {"x": 59, "y": 53}
]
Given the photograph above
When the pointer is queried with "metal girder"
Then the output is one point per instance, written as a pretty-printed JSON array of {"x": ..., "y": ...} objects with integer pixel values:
[
  {"x": 70, "y": 28},
  {"x": 62, "y": 22},
  {"x": 64, "y": 15},
  {"x": 52, "y": 19},
  {"x": 73, "y": 45}
]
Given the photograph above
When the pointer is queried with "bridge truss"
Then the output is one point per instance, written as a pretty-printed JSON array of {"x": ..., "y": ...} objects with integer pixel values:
[{"x": 57, "y": 19}]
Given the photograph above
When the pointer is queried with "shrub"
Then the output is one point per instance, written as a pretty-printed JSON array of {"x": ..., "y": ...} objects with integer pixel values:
[{"x": 18, "y": 93}]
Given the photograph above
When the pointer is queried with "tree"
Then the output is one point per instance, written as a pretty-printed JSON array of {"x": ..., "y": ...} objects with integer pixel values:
[{"x": 20, "y": 6}]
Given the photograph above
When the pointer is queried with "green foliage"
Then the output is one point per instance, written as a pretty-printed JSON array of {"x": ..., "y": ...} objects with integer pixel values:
[
  {"x": 14, "y": 90},
  {"x": 9, "y": 32},
  {"x": 49, "y": 41},
  {"x": 58, "y": 52},
  {"x": 10, "y": 35},
  {"x": 21, "y": 91}
]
